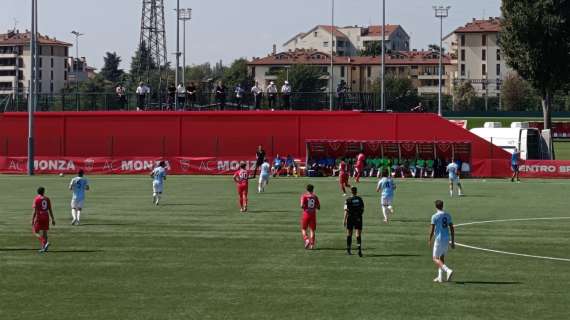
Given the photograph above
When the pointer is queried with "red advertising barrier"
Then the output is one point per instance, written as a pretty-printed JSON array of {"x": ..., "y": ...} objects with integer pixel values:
[
  {"x": 545, "y": 169},
  {"x": 135, "y": 165},
  {"x": 560, "y": 130}
]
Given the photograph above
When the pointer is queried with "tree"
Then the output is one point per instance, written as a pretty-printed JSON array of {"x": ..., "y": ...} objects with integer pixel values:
[
  {"x": 110, "y": 70},
  {"x": 400, "y": 92},
  {"x": 201, "y": 72},
  {"x": 303, "y": 78},
  {"x": 535, "y": 40},
  {"x": 141, "y": 62},
  {"x": 371, "y": 48},
  {"x": 517, "y": 94},
  {"x": 463, "y": 95},
  {"x": 237, "y": 74}
]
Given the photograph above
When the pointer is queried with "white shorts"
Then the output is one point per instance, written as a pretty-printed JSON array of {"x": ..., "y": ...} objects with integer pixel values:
[
  {"x": 76, "y": 204},
  {"x": 157, "y": 187},
  {"x": 440, "y": 248},
  {"x": 263, "y": 178},
  {"x": 454, "y": 179},
  {"x": 386, "y": 201}
]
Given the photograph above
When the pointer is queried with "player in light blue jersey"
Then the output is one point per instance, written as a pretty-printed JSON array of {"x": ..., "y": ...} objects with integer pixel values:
[
  {"x": 78, "y": 186},
  {"x": 387, "y": 186},
  {"x": 453, "y": 170},
  {"x": 158, "y": 176},
  {"x": 264, "y": 176},
  {"x": 441, "y": 228}
]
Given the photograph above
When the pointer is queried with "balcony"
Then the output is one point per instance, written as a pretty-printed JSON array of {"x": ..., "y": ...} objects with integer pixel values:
[
  {"x": 8, "y": 55},
  {"x": 12, "y": 67},
  {"x": 431, "y": 76},
  {"x": 7, "y": 78},
  {"x": 429, "y": 90}
]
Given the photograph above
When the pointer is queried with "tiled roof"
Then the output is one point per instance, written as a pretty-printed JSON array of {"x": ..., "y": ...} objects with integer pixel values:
[
  {"x": 320, "y": 58},
  {"x": 17, "y": 38},
  {"x": 337, "y": 33},
  {"x": 376, "y": 31},
  {"x": 479, "y": 26}
]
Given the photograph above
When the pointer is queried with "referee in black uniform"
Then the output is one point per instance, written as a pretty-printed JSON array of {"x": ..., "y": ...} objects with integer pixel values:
[
  {"x": 353, "y": 211},
  {"x": 259, "y": 158}
]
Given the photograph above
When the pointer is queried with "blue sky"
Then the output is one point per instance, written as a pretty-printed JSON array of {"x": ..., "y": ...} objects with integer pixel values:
[{"x": 229, "y": 29}]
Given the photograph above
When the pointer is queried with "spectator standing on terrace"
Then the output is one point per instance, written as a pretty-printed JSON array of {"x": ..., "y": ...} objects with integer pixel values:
[
  {"x": 341, "y": 93},
  {"x": 220, "y": 93},
  {"x": 257, "y": 95},
  {"x": 272, "y": 95},
  {"x": 191, "y": 91},
  {"x": 181, "y": 93},
  {"x": 121, "y": 92},
  {"x": 171, "y": 96},
  {"x": 286, "y": 95},
  {"x": 239, "y": 95},
  {"x": 142, "y": 91}
]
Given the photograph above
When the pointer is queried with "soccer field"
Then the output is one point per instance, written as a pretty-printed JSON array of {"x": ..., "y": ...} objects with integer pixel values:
[{"x": 197, "y": 257}]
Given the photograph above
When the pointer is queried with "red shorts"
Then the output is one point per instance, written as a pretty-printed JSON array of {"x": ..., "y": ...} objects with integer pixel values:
[
  {"x": 343, "y": 178},
  {"x": 359, "y": 167},
  {"x": 41, "y": 224},
  {"x": 242, "y": 190},
  {"x": 309, "y": 221}
]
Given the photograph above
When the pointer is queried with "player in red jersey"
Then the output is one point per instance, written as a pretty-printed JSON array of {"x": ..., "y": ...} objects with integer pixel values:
[
  {"x": 241, "y": 178},
  {"x": 310, "y": 204},
  {"x": 343, "y": 176},
  {"x": 359, "y": 168},
  {"x": 40, "y": 218}
]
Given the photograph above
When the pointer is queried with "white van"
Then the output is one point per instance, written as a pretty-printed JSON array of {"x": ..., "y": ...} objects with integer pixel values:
[{"x": 520, "y": 136}]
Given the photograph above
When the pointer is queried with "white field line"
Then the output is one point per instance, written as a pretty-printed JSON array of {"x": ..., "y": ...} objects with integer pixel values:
[{"x": 506, "y": 252}]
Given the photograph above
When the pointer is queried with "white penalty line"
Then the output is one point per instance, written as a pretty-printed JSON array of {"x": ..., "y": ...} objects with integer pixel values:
[{"x": 506, "y": 252}]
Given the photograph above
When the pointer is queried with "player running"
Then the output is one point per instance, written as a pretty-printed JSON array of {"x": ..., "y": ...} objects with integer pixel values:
[
  {"x": 453, "y": 170},
  {"x": 78, "y": 186},
  {"x": 441, "y": 225},
  {"x": 158, "y": 175},
  {"x": 40, "y": 218},
  {"x": 359, "y": 167},
  {"x": 310, "y": 204},
  {"x": 241, "y": 178},
  {"x": 387, "y": 186},
  {"x": 343, "y": 176},
  {"x": 264, "y": 176},
  {"x": 515, "y": 160},
  {"x": 353, "y": 211}
]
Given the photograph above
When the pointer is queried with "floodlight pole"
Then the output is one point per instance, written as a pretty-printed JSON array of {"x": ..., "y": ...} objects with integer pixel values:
[
  {"x": 440, "y": 12},
  {"x": 383, "y": 53},
  {"x": 76, "y": 66},
  {"x": 176, "y": 76},
  {"x": 184, "y": 15},
  {"x": 331, "y": 95},
  {"x": 32, "y": 86}
]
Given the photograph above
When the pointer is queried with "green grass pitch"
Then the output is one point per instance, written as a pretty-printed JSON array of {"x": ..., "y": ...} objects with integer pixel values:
[{"x": 197, "y": 257}]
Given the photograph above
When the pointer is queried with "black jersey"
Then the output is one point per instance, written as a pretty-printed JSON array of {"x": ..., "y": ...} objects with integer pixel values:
[
  {"x": 354, "y": 206},
  {"x": 260, "y": 156}
]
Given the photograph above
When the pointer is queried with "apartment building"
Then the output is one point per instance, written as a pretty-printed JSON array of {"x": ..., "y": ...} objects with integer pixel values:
[
  {"x": 476, "y": 52},
  {"x": 15, "y": 62},
  {"x": 360, "y": 73},
  {"x": 347, "y": 41}
]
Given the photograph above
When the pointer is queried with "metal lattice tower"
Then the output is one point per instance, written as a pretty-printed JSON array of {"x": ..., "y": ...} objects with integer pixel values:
[{"x": 153, "y": 38}]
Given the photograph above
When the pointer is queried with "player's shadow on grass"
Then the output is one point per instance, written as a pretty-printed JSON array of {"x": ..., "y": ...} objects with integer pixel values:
[
  {"x": 488, "y": 282},
  {"x": 50, "y": 251}
]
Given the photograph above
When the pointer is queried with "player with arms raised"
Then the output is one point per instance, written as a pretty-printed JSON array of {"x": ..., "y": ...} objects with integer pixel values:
[
  {"x": 40, "y": 218},
  {"x": 310, "y": 204},
  {"x": 359, "y": 167},
  {"x": 353, "y": 211},
  {"x": 343, "y": 176},
  {"x": 264, "y": 176},
  {"x": 158, "y": 176},
  {"x": 387, "y": 186},
  {"x": 453, "y": 170},
  {"x": 78, "y": 186},
  {"x": 441, "y": 226},
  {"x": 241, "y": 178}
]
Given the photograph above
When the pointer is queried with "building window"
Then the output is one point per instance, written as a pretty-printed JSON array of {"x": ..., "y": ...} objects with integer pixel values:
[
  {"x": 369, "y": 71},
  {"x": 325, "y": 44},
  {"x": 484, "y": 40},
  {"x": 498, "y": 54},
  {"x": 484, "y": 69},
  {"x": 66, "y": 51},
  {"x": 51, "y": 75},
  {"x": 462, "y": 54},
  {"x": 39, "y": 87},
  {"x": 484, "y": 55},
  {"x": 51, "y": 51},
  {"x": 40, "y": 74},
  {"x": 65, "y": 75},
  {"x": 316, "y": 34},
  {"x": 484, "y": 85},
  {"x": 463, "y": 40},
  {"x": 52, "y": 62},
  {"x": 342, "y": 71},
  {"x": 51, "y": 87},
  {"x": 498, "y": 69},
  {"x": 40, "y": 62}
]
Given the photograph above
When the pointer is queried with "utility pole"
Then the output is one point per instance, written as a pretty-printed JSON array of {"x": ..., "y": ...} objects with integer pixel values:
[
  {"x": 32, "y": 86},
  {"x": 184, "y": 15},
  {"x": 440, "y": 12},
  {"x": 331, "y": 76},
  {"x": 76, "y": 66},
  {"x": 176, "y": 75},
  {"x": 383, "y": 53}
]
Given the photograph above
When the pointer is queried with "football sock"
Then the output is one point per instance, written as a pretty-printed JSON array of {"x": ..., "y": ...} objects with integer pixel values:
[
  {"x": 391, "y": 209},
  {"x": 451, "y": 192},
  {"x": 78, "y": 215},
  {"x": 348, "y": 242},
  {"x": 444, "y": 268},
  {"x": 73, "y": 214},
  {"x": 384, "y": 212},
  {"x": 359, "y": 242},
  {"x": 440, "y": 273}
]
